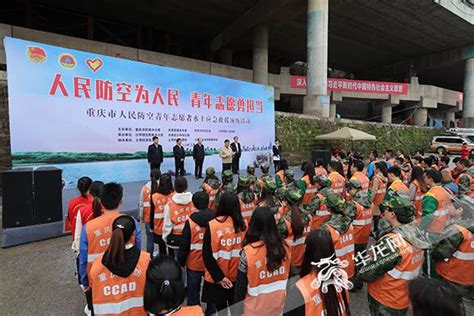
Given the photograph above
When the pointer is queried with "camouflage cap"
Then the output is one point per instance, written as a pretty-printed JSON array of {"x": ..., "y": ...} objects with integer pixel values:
[
  {"x": 290, "y": 174},
  {"x": 244, "y": 181},
  {"x": 335, "y": 202},
  {"x": 227, "y": 175},
  {"x": 270, "y": 185},
  {"x": 280, "y": 193},
  {"x": 322, "y": 180},
  {"x": 293, "y": 196},
  {"x": 265, "y": 167},
  {"x": 354, "y": 184},
  {"x": 210, "y": 172},
  {"x": 251, "y": 169},
  {"x": 401, "y": 204}
]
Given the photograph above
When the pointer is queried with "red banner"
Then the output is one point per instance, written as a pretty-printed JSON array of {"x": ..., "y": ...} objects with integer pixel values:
[{"x": 347, "y": 85}]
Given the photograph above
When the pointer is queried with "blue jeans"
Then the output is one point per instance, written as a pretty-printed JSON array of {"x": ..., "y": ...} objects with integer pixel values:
[
  {"x": 194, "y": 286},
  {"x": 149, "y": 239}
]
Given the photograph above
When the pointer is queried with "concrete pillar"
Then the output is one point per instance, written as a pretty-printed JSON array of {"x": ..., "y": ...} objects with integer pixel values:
[
  {"x": 316, "y": 101},
  {"x": 420, "y": 117},
  {"x": 387, "y": 113},
  {"x": 260, "y": 54},
  {"x": 468, "y": 107},
  {"x": 332, "y": 110},
  {"x": 450, "y": 117},
  {"x": 226, "y": 56}
]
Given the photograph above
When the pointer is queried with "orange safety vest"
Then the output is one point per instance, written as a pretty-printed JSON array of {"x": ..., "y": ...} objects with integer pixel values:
[
  {"x": 320, "y": 216},
  {"x": 319, "y": 171},
  {"x": 380, "y": 192},
  {"x": 225, "y": 246},
  {"x": 146, "y": 203},
  {"x": 179, "y": 214},
  {"x": 337, "y": 183},
  {"x": 441, "y": 214},
  {"x": 362, "y": 223},
  {"x": 99, "y": 232},
  {"x": 159, "y": 200},
  {"x": 391, "y": 162},
  {"x": 194, "y": 261},
  {"x": 364, "y": 181},
  {"x": 344, "y": 247},
  {"x": 115, "y": 295},
  {"x": 313, "y": 301},
  {"x": 458, "y": 268},
  {"x": 392, "y": 288},
  {"x": 309, "y": 192},
  {"x": 417, "y": 202},
  {"x": 297, "y": 246},
  {"x": 399, "y": 186},
  {"x": 266, "y": 291},
  {"x": 212, "y": 196},
  {"x": 194, "y": 310},
  {"x": 248, "y": 208}
]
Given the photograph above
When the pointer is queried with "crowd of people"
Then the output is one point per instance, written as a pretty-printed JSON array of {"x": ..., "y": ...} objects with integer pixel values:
[{"x": 272, "y": 244}]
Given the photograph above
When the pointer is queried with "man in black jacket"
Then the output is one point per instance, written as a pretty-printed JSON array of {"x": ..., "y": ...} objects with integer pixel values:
[
  {"x": 198, "y": 156},
  {"x": 155, "y": 154},
  {"x": 179, "y": 154},
  {"x": 235, "y": 146}
]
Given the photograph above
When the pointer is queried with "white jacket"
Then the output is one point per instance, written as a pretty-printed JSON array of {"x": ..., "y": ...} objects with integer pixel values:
[{"x": 179, "y": 198}]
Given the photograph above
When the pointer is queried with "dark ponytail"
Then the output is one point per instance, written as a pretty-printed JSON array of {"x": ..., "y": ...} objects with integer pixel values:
[
  {"x": 95, "y": 190},
  {"x": 83, "y": 185},
  {"x": 122, "y": 230},
  {"x": 297, "y": 225},
  {"x": 155, "y": 174}
]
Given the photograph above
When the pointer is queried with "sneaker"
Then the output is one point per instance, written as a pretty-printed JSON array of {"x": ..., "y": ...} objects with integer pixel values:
[{"x": 87, "y": 311}]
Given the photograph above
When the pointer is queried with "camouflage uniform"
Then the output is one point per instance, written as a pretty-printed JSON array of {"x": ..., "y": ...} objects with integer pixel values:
[
  {"x": 374, "y": 269},
  {"x": 211, "y": 179},
  {"x": 252, "y": 177},
  {"x": 269, "y": 186},
  {"x": 243, "y": 187},
  {"x": 227, "y": 185},
  {"x": 464, "y": 183},
  {"x": 447, "y": 245},
  {"x": 290, "y": 183},
  {"x": 338, "y": 220}
]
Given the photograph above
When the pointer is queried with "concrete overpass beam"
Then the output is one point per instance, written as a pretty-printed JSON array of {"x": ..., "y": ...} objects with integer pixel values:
[
  {"x": 316, "y": 101},
  {"x": 450, "y": 116},
  {"x": 260, "y": 54},
  {"x": 468, "y": 106},
  {"x": 332, "y": 110},
  {"x": 387, "y": 112}
]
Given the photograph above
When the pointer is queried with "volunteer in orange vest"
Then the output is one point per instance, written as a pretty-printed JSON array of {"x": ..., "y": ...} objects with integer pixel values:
[
  {"x": 395, "y": 259},
  {"x": 117, "y": 278},
  {"x": 164, "y": 289},
  {"x": 454, "y": 252},
  {"x": 339, "y": 225},
  {"x": 417, "y": 190},
  {"x": 319, "y": 169},
  {"x": 335, "y": 180},
  {"x": 378, "y": 188},
  {"x": 88, "y": 212},
  {"x": 96, "y": 234},
  {"x": 144, "y": 206},
  {"x": 77, "y": 202},
  {"x": 357, "y": 173},
  {"x": 177, "y": 211},
  {"x": 359, "y": 209},
  {"x": 396, "y": 184},
  {"x": 221, "y": 252},
  {"x": 435, "y": 205},
  {"x": 190, "y": 251},
  {"x": 434, "y": 297},
  {"x": 247, "y": 198},
  {"x": 211, "y": 185},
  {"x": 315, "y": 293},
  {"x": 321, "y": 213},
  {"x": 263, "y": 274},
  {"x": 280, "y": 174},
  {"x": 444, "y": 164},
  {"x": 159, "y": 200},
  {"x": 307, "y": 184}
]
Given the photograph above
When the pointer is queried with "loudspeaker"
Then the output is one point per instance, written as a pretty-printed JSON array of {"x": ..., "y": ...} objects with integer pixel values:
[
  {"x": 324, "y": 155},
  {"x": 18, "y": 204},
  {"x": 48, "y": 195}
]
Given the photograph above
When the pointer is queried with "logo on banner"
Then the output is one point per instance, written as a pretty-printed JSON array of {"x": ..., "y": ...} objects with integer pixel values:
[
  {"x": 94, "y": 64},
  {"x": 67, "y": 61},
  {"x": 36, "y": 54}
]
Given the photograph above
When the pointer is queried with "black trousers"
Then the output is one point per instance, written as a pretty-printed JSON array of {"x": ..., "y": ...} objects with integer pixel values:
[
  {"x": 158, "y": 239},
  {"x": 155, "y": 165},
  {"x": 179, "y": 167},
  {"x": 276, "y": 163},
  {"x": 235, "y": 165},
  {"x": 198, "y": 167},
  {"x": 226, "y": 166}
]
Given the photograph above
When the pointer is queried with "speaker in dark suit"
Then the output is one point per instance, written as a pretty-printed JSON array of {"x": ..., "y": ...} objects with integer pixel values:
[
  {"x": 48, "y": 195},
  {"x": 18, "y": 205}
]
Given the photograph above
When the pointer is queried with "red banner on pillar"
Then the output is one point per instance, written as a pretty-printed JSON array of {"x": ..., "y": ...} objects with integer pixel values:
[{"x": 347, "y": 85}]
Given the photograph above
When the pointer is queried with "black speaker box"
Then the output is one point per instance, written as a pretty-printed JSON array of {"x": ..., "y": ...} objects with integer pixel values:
[
  {"x": 324, "y": 155},
  {"x": 48, "y": 195},
  {"x": 18, "y": 202}
]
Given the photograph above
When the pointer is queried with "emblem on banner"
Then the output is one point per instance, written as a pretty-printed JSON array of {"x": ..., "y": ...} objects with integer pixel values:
[
  {"x": 94, "y": 64},
  {"x": 67, "y": 61},
  {"x": 36, "y": 54}
]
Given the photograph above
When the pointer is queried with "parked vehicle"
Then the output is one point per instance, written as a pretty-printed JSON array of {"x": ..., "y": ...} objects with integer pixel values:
[{"x": 450, "y": 144}]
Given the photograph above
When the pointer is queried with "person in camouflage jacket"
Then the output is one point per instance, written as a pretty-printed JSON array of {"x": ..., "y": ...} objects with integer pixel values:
[
  {"x": 227, "y": 185},
  {"x": 252, "y": 177},
  {"x": 398, "y": 217},
  {"x": 268, "y": 198},
  {"x": 243, "y": 190},
  {"x": 265, "y": 168},
  {"x": 290, "y": 182},
  {"x": 211, "y": 179}
]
